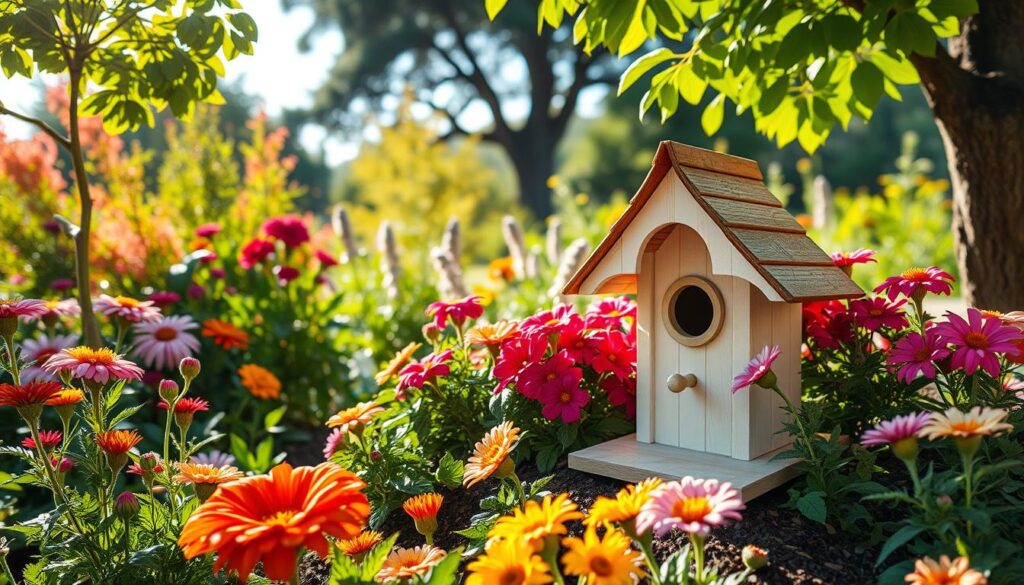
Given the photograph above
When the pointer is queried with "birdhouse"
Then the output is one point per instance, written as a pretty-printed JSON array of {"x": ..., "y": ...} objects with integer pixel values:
[{"x": 719, "y": 269}]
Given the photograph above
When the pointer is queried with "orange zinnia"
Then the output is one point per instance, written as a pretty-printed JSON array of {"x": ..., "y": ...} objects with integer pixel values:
[
  {"x": 491, "y": 455},
  {"x": 118, "y": 442},
  {"x": 33, "y": 393},
  {"x": 360, "y": 545},
  {"x": 271, "y": 518},
  {"x": 66, "y": 397},
  {"x": 406, "y": 563},
  {"x": 225, "y": 334},
  {"x": 205, "y": 478},
  {"x": 260, "y": 382},
  {"x": 945, "y": 572},
  {"x": 423, "y": 506},
  {"x": 401, "y": 358},
  {"x": 350, "y": 419}
]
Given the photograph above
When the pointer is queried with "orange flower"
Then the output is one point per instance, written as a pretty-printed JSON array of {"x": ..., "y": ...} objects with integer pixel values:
[
  {"x": 624, "y": 507},
  {"x": 502, "y": 269},
  {"x": 260, "y": 382},
  {"x": 205, "y": 478},
  {"x": 361, "y": 544},
  {"x": 401, "y": 358},
  {"x": 491, "y": 335},
  {"x": 66, "y": 397},
  {"x": 423, "y": 509},
  {"x": 350, "y": 419},
  {"x": 944, "y": 572},
  {"x": 118, "y": 442},
  {"x": 272, "y": 517},
  {"x": 33, "y": 393},
  {"x": 406, "y": 563},
  {"x": 225, "y": 334},
  {"x": 491, "y": 455}
]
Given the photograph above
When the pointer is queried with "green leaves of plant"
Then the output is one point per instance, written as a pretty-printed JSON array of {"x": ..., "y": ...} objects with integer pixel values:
[
  {"x": 812, "y": 505},
  {"x": 450, "y": 471}
]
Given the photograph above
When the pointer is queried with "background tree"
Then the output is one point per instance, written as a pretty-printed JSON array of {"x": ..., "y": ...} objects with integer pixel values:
[
  {"x": 804, "y": 67},
  {"x": 455, "y": 60},
  {"x": 124, "y": 61}
]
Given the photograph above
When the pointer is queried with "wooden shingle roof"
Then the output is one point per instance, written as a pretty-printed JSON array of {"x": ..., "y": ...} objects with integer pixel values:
[{"x": 732, "y": 192}]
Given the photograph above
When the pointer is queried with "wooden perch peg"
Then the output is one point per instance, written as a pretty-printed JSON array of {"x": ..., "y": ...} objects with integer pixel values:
[{"x": 679, "y": 382}]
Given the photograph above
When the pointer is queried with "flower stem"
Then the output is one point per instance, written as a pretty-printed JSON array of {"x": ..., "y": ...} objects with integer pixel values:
[
  {"x": 652, "y": 564},
  {"x": 7, "y": 570},
  {"x": 13, "y": 362},
  {"x": 697, "y": 542},
  {"x": 968, "y": 487}
]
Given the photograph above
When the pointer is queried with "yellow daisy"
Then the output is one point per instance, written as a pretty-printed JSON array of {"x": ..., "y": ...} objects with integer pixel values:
[
  {"x": 603, "y": 561},
  {"x": 508, "y": 562},
  {"x": 538, "y": 521},
  {"x": 624, "y": 506}
]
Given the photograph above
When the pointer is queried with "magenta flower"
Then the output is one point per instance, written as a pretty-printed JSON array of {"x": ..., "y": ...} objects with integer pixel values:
[
  {"x": 61, "y": 308},
  {"x": 255, "y": 251},
  {"x": 164, "y": 298},
  {"x": 573, "y": 340},
  {"x": 163, "y": 344},
  {"x": 917, "y": 355},
  {"x": 563, "y": 397},
  {"x": 416, "y": 374},
  {"x": 621, "y": 392},
  {"x": 859, "y": 256},
  {"x": 516, "y": 354},
  {"x": 334, "y": 441},
  {"x": 127, "y": 308},
  {"x": 458, "y": 311},
  {"x": 613, "y": 353},
  {"x": 289, "y": 229},
  {"x": 326, "y": 260},
  {"x": 285, "y": 274},
  {"x": 896, "y": 429},
  {"x": 545, "y": 322},
  {"x": 95, "y": 365},
  {"x": 610, "y": 312},
  {"x": 877, "y": 312},
  {"x": 534, "y": 378},
  {"x": 915, "y": 282},
  {"x": 62, "y": 284},
  {"x": 25, "y": 308},
  {"x": 757, "y": 369},
  {"x": 207, "y": 230},
  {"x": 977, "y": 341},
  {"x": 38, "y": 351},
  {"x": 694, "y": 506}
]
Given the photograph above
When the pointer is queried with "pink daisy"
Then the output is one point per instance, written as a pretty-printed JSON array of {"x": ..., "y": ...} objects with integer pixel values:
[
  {"x": 896, "y": 429},
  {"x": 859, "y": 256},
  {"x": 96, "y": 365},
  {"x": 915, "y": 282},
  {"x": 694, "y": 506},
  {"x": 285, "y": 274},
  {"x": 127, "y": 308},
  {"x": 62, "y": 284},
  {"x": 163, "y": 344},
  {"x": 917, "y": 355},
  {"x": 164, "y": 298},
  {"x": 255, "y": 251},
  {"x": 37, "y": 351},
  {"x": 458, "y": 311},
  {"x": 335, "y": 440},
  {"x": 756, "y": 369},
  {"x": 49, "y": 439},
  {"x": 62, "y": 308},
  {"x": 25, "y": 308},
  {"x": 977, "y": 340},
  {"x": 563, "y": 397},
  {"x": 573, "y": 340},
  {"x": 877, "y": 312},
  {"x": 416, "y": 374},
  {"x": 289, "y": 229}
]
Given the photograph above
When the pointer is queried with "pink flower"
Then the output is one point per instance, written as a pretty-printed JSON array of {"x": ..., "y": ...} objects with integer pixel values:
[
  {"x": 96, "y": 365},
  {"x": 896, "y": 429},
  {"x": 416, "y": 374},
  {"x": 164, "y": 298},
  {"x": 573, "y": 341},
  {"x": 25, "y": 308},
  {"x": 127, "y": 308},
  {"x": 285, "y": 274},
  {"x": 610, "y": 313},
  {"x": 694, "y": 506},
  {"x": 163, "y": 344},
  {"x": 62, "y": 284},
  {"x": 207, "y": 230},
  {"x": 458, "y": 311},
  {"x": 62, "y": 308},
  {"x": 977, "y": 340},
  {"x": 289, "y": 229},
  {"x": 218, "y": 273},
  {"x": 621, "y": 392},
  {"x": 546, "y": 322},
  {"x": 917, "y": 355},
  {"x": 875, "y": 313},
  {"x": 516, "y": 354},
  {"x": 49, "y": 439},
  {"x": 38, "y": 351},
  {"x": 195, "y": 291},
  {"x": 563, "y": 397},
  {"x": 255, "y": 251},
  {"x": 534, "y": 378},
  {"x": 915, "y": 282},
  {"x": 326, "y": 260},
  {"x": 757, "y": 369},
  {"x": 334, "y": 442},
  {"x": 859, "y": 256},
  {"x": 613, "y": 353}
]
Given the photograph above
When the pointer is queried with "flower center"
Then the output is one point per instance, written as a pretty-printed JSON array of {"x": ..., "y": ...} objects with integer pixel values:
[
  {"x": 93, "y": 356},
  {"x": 127, "y": 301},
  {"x": 565, "y": 397},
  {"x": 922, "y": 355},
  {"x": 550, "y": 376},
  {"x": 967, "y": 426},
  {"x": 875, "y": 312},
  {"x": 282, "y": 518},
  {"x": 915, "y": 274},
  {"x": 976, "y": 340},
  {"x": 165, "y": 334},
  {"x": 691, "y": 509},
  {"x": 512, "y": 576},
  {"x": 601, "y": 566}
]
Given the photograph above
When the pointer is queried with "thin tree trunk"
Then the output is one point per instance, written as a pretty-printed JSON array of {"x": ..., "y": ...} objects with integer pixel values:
[
  {"x": 977, "y": 95},
  {"x": 534, "y": 162},
  {"x": 89, "y": 326}
]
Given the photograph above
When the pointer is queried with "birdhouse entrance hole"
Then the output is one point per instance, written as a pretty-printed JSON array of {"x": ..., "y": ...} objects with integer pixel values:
[{"x": 693, "y": 310}]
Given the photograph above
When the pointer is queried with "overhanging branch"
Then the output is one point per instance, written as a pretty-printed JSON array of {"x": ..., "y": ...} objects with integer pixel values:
[{"x": 43, "y": 126}]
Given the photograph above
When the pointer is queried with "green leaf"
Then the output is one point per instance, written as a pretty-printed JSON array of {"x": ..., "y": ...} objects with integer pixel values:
[
  {"x": 450, "y": 471},
  {"x": 794, "y": 47},
  {"x": 273, "y": 417},
  {"x": 714, "y": 113},
  {"x": 638, "y": 68},
  {"x": 494, "y": 7},
  {"x": 443, "y": 573},
  {"x": 901, "y": 537},
  {"x": 843, "y": 32},
  {"x": 867, "y": 83},
  {"x": 812, "y": 505}
]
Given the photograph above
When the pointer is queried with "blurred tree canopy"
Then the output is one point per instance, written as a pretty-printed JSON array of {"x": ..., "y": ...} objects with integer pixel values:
[{"x": 459, "y": 64}]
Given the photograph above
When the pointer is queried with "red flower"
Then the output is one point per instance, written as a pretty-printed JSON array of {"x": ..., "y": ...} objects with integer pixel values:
[
  {"x": 610, "y": 312},
  {"x": 207, "y": 230},
  {"x": 515, "y": 355},
  {"x": 614, "y": 354},
  {"x": 289, "y": 229},
  {"x": 254, "y": 252},
  {"x": 828, "y": 323},
  {"x": 875, "y": 313},
  {"x": 536, "y": 376},
  {"x": 860, "y": 256},
  {"x": 285, "y": 274},
  {"x": 573, "y": 341},
  {"x": 416, "y": 374},
  {"x": 458, "y": 311},
  {"x": 28, "y": 394},
  {"x": 326, "y": 260},
  {"x": 621, "y": 392},
  {"x": 50, "y": 439},
  {"x": 187, "y": 405},
  {"x": 563, "y": 397},
  {"x": 546, "y": 322}
]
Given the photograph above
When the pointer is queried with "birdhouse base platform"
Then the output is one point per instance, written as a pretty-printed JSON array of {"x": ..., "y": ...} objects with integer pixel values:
[{"x": 627, "y": 459}]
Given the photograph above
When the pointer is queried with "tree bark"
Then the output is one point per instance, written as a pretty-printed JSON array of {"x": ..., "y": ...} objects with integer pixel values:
[
  {"x": 976, "y": 92},
  {"x": 533, "y": 156}
]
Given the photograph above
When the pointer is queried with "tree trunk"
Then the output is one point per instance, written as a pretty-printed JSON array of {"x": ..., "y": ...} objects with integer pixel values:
[
  {"x": 533, "y": 157},
  {"x": 976, "y": 91}
]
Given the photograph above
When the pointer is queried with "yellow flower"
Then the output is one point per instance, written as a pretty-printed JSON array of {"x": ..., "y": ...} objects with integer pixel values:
[
  {"x": 508, "y": 562},
  {"x": 538, "y": 521},
  {"x": 491, "y": 455},
  {"x": 406, "y": 563},
  {"x": 350, "y": 419},
  {"x": 205, "y": 478},
  {"x": 603, "y": 561},
  {"x": 489, "y": 335},
  {"x": 624, "y": 506},
  {"x": 955, "y": 423},
  {"x": 401, "y": 358},
  {"x": 260, "y": 382},
  {"x": 945, "y": 572}
]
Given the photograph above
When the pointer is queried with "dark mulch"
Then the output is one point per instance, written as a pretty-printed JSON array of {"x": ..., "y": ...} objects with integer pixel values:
[{"x": 800, "y": 551}]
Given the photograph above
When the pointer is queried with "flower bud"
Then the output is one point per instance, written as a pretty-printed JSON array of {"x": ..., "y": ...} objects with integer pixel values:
[
  {"x": 168, "y": 390},
  {"x": 376, "y": 455},
  {"x": 754, "y": 557},
  {"x": 906, "y": 449},
  {"x": 149, "y": 462},
  {"x": 944, "y": 502},
  {"x": 8, "y": 327},
  {"x": 431, "y": 333},
  {"x": 126, "y": 506},
  {"x": 189, "y": 368},
  {"x": 65, "y": 465},
  {"x": 204, "y": 490}
]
